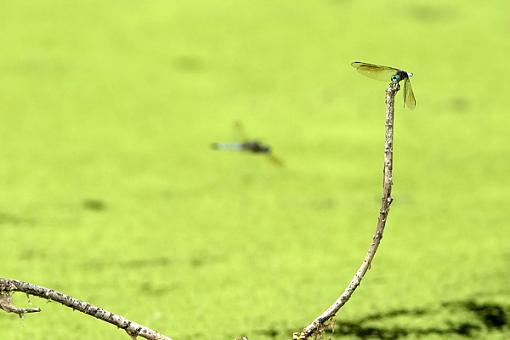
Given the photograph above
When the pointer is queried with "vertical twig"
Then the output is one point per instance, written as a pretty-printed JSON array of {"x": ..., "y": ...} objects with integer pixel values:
[
  {"x": 319, "y": 322},
  {"x": 133, "y": 329}
]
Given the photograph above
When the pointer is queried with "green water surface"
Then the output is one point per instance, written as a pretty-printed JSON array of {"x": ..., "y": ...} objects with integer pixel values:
[{"x": 111, "y": 193}]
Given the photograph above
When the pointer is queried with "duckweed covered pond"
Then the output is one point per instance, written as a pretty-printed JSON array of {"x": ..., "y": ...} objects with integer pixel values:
[{"x": 111, "y": 192}]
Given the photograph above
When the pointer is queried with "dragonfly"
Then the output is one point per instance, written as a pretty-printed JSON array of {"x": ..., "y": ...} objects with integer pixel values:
[
  {"x": 248, "y": 145},
  {"x": 387, "y": 73}
]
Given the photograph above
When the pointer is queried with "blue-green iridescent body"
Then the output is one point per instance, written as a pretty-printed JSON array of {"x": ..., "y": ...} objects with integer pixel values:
[
  {"x": 385, "y": 73},
  {"x": 399, "y": 76},
  {"x": 251, "y": 146}
]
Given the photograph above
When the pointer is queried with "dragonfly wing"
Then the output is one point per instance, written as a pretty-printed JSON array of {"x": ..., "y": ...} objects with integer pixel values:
[
  {"x": 378, "y": 72},
  {"x": 409, "y": 99},
  {"x": 239, "y": 132},
  {"x": 275, "y": 160}
]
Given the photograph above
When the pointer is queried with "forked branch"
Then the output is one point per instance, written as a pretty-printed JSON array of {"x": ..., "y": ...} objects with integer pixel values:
[
  {"x": 317, "y": 325},
  {"x": 7, "y": 287},
  {"x": 7, "y": 306}
]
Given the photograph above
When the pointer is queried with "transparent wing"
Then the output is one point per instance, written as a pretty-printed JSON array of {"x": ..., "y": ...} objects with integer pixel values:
[
  {"x": 239, "y": 132},
  {"x": 275, "y": 160},
  {"x": 409, "y": 99},
  {"x": 378, "y": 72}
]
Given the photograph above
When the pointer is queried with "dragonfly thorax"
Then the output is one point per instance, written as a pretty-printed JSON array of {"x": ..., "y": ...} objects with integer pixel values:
[
  {"x": 399, "y": 76},
  {"x": 257, "y": 147}
]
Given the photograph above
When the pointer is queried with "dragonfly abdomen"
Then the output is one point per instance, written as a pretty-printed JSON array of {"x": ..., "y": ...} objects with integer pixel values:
[{"x": 228, "y": 146}]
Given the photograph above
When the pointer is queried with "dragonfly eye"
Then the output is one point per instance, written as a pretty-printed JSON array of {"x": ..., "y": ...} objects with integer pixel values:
[{"x": 395, "y": 78}]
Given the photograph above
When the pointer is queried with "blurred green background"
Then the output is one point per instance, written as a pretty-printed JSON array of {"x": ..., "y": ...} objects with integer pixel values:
[{"x": 111, "y": 192}]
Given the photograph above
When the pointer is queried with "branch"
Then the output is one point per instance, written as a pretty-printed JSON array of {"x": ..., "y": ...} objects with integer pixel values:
[
  {"x": 8, "y": 286},
  {"x": 317, "y": 325},
  {"x": 6, "y": 305}
]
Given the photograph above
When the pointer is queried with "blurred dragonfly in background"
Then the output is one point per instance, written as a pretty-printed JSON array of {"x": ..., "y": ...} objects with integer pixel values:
[
  {"x": 247, "y": 145},
  {"x": 386, "y": 73}
]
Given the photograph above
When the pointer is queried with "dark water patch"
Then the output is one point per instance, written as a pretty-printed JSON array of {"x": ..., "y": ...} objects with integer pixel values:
[
  {"x": 163, "y": 261},
  {"x": 6, "y": 218},
  {"x": 203, "y": 260},
  {"x": 31, "y": 254},
  {"x": 144, "y": 263},
  {"x": 365, "y": 332},
  {"x": 188, "y": 64},
  {"x": 149, "y": 288},
  {"x": 394, "y": 313},
  {"x": 493, "y": 316},
  {"x": 268, "y": 332},
  {"x": 131, "y": 264},
  {"x": 459, "y": 104},
  {"x": 197, "y": 262},
  {"x": 324, "y": 204},
  {"x": 362, "y": 331},
  {"x": 466, "y": 329},
  {"x": 93, "y": 204},
  {"x": 430, "y": 14},
  {"x": 96, "y": 265},
  {"x": 488, "y": 317}
]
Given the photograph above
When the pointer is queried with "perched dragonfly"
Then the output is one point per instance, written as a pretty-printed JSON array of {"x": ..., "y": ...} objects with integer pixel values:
[
  {"x": 247, "y": 145},
  {"x": 386, "y": 73}
]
